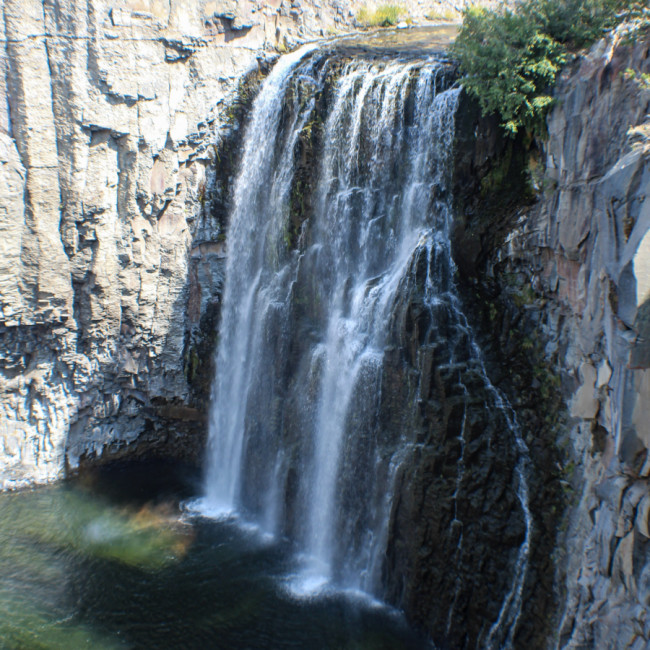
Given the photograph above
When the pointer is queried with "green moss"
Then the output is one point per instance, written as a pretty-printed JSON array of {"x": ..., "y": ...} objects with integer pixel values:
[
  {"x": 497, "y": 184},
  {"x": 525, "y": 296},
  {"x": 527, "y": 344},
  {"x": 549, "y": 382}
]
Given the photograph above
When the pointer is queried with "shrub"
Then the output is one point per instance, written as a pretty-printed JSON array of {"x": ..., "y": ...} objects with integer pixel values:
[
  {"x": 510, "y": 58},
  {"x": 641, "y": 79},
  {"x": 508, "y": 65},
  {"x": 577, "y": 23}
]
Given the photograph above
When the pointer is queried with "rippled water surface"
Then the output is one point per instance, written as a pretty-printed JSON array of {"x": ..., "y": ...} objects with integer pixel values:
[{"x": 112, "y": 562}]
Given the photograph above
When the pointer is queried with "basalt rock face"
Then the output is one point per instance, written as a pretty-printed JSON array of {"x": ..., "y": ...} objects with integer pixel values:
[
  {"x": 111, "y": 114},
  {"x": 596, "y": 220},
  {"x": 563, "y": 281}
]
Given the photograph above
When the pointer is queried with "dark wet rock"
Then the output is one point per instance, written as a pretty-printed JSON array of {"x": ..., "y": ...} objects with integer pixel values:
[{"x": 561, "y": 297}]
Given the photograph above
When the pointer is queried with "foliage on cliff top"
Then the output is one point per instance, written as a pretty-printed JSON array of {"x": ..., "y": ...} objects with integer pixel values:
[{"x": 510, "y": 58}]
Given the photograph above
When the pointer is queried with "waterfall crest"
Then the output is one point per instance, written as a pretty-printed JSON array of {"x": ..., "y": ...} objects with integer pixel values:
[{"x": 326, "y": 271}]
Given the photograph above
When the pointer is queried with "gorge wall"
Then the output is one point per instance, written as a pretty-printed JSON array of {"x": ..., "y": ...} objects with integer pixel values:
[
  {"x": 568, "y": 284},
  {"x": 111, "y": 264},
  {"x": 592, "y": 232},
  {"x": 110, "y": 118}
]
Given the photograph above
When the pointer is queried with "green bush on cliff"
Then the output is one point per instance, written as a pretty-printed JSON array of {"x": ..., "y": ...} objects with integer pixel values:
[
  {"x": 508, "y": 65},
  {"x": 510, "y": 58},
  {"x": 576, "y": 23}
]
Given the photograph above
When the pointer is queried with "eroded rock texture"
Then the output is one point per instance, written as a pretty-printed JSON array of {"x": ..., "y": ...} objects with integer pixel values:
[
  {"x": 577, "y": 265},
  {"x": 597, "y": 222},
  {"x": 110, "y": 254}
]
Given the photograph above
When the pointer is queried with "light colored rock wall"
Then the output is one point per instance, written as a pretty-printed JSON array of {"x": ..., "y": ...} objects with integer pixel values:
[
  {"x": 110, "y": 114},
  {"x": 587, "y": 247}
]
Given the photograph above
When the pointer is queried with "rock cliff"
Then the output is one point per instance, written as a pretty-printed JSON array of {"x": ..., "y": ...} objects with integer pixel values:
[
  {"x": 593, "y": 238},
  {"x": 110, "y": 117},
  {"x": 112, "y": 244},
  {"x": 570, "y": 282}
]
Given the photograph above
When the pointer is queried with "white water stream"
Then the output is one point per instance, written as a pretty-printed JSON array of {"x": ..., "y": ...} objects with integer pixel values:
[{"x": 304, "y": 330}]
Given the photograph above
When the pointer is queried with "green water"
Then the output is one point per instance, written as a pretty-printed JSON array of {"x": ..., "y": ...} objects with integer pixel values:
[{"x": 112, "y": 563}]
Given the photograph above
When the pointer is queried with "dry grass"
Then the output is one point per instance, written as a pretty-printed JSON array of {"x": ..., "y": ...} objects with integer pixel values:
[
  {"x": 443, "y": 15},
  {"x": 640, "y": 136},
  {"x": 383, "y": 16}
]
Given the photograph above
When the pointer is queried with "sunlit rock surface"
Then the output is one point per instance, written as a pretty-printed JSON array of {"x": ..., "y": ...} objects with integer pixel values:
[{"x": 110, "y": 116}]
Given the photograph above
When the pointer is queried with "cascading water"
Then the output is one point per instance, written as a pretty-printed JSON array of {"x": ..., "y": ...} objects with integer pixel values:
[
  {"x": 316, "y": 275},
  {"x": 255, "y": 226}
]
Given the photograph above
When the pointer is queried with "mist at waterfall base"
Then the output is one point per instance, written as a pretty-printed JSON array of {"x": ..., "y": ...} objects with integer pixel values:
[
  {"x": 313, "y": 310},
  {"x": 109, "y": 562}
]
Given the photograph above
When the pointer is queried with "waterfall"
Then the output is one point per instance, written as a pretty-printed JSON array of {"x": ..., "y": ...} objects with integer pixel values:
[
  {"x": 255, "y": 225},
  {"x": 317, "y": 272}
]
